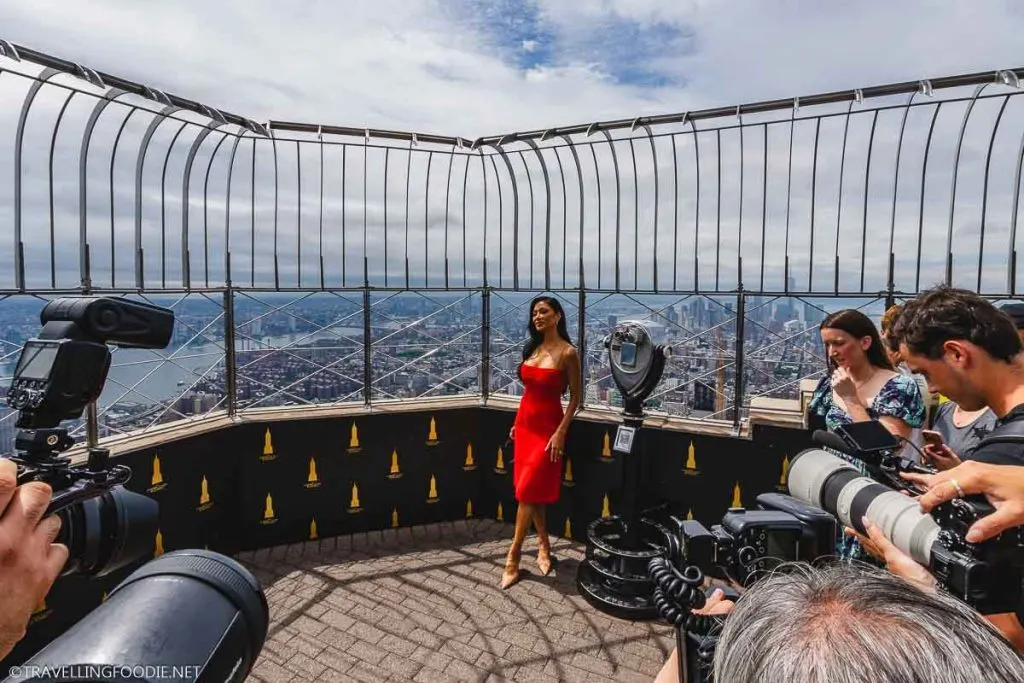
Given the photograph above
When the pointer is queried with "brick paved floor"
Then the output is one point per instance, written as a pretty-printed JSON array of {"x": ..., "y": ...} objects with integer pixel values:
[{"x": 423, "y": 604}]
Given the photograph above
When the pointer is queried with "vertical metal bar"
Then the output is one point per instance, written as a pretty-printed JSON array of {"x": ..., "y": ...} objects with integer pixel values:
[
  {"x": 483, "y": 246},
  {"x": 367, "y": 345},
  {"x": 896, "y": 188},
  {"x": 366, "y": 256},
  {"x": 529, "y": 188},
  {"x": 956, "y": 168},
  {"x": 741, "y": 314},
  {"x": 600, "y": 223},
  {"x": 789, "y": 194},
  {"x": 227, "y": 210},
  {"x": 696, "y": 211},
  {"x": 867, "y": 178},
  {"x": 984, "y": 191},
  {"x": 485, "y": 344},
  {"x": 581, "y": 327},
  {"x": 924, "y": 175},
  {"x": 408, "y": 176},
  {"x": 277, "y": 276},
  {"x": 515, "y": 214},
  {"x": 53, "y": 231},
  {"x": 565, "y": 215},
  {"x": 501, "y": 223},
  {"x": 814, "y": 192},
  {"x": 186, "y": 179},
  {"x": 140, "y": 163},
  {"x": 675, "y": 217},
  {"x": 252, "y": 219},
  {"x": 230, "y": 361},
  {"x": 739, "y": 227},
  {"x": 298, "y": 215},
  {"x": 579, "y": 177}
]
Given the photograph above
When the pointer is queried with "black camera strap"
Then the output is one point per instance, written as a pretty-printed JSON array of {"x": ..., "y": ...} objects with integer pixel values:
[{"x": 1009, "y": 432}]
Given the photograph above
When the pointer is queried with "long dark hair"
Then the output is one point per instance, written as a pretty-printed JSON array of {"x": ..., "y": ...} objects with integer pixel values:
[
  {"x": 858, "y": 326},
  {"x": 536, "y": 337}
]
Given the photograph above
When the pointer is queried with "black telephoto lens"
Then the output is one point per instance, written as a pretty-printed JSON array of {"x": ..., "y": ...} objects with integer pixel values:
[
  {"x": 106, "y": 533},
  {"x": 188, "y": 615}
]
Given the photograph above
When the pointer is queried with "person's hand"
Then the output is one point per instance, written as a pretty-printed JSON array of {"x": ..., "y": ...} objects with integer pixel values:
[
  {"x": 896, "y": 561},
  {"x": 30, "y": 561},
  {"x": 843, "y": 385},
  {"x": 715, "y": 604},
  {"x": 941, "y": 456},
  {"x": 1003, "y": 485},
  {"x": 556, "y": 445},
  {"x": 512, "y": 433}
]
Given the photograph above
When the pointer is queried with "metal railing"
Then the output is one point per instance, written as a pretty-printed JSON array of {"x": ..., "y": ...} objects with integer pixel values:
[{"x": 316, "y": 263}]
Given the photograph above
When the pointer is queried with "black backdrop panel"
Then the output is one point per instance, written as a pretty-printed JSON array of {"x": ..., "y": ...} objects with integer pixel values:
[{"x": 262, "y": 484}]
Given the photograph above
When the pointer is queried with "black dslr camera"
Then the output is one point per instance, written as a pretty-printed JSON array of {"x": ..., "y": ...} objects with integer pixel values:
[
  {"x": 59, "y": 373},
  {"x": 987, "y": 576}
]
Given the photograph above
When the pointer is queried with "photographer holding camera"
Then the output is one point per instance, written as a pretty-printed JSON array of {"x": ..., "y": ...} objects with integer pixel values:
[{"x": 30, "y": 561}]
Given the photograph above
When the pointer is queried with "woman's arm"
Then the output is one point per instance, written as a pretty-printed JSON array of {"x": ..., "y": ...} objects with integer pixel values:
[{"x": 572, "y": 363}]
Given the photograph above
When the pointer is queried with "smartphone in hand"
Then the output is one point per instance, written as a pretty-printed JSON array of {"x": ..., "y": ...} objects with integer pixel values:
[{"x": 932, "y": 438}]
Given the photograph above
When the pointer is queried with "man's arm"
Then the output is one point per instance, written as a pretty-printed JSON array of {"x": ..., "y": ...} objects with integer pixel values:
[{"x": 30, "y": 561}]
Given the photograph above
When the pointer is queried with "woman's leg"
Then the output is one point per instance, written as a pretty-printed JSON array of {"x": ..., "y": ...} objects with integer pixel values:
[
  {"x": 543, "y": 541},
  {"x": 523, "y": 516}
]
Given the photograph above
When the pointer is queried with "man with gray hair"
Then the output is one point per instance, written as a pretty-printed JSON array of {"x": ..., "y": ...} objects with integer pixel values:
[{"x": 843, "y": 623}]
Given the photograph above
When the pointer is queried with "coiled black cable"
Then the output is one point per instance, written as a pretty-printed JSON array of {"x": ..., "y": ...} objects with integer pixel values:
[{"x": 676, "y": 593}]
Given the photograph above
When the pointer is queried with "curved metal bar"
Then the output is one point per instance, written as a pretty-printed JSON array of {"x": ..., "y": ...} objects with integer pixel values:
[
  {"x": 675, "y": 216},
  {"x": 140, "y": 163},
  {"x": 718, "y": 208},
  {"x": 956, "y": 168},
  {"x": 252, "y": 218},
  {"x": 984, "y": 191},
  {"x": 465, "y": 186},
  {"x": 696, "y": 211},
  {"x": 529, "y": 188},
  {"x": 839, "y": 199},
  {"x": 53, "y": 227},
  {"x": 227, "y": 212},
  {"x": 447, "y": 205},
  {"x": 600, "y": 225},
  {"x": 426, "y": 224},
  {"x": 739, "y": 227},
  {"x": 565, "y": 216},
  {"x": 896, "y": 187},
  {"x": 814, "y": 194},
  {"x": 515, "y": 216},
  {"x": 113, "y": 155},
  {"x": 1011, "y": 283},
  {"x": 19, "y": 251},
  {"x": 636, "y": 216},
  {"x": 547, "y": 216},
  {"x": 483, "y": 246},
  {"x": 366, "y": 259},
  {"x": 206, "y": 206},
  {"x": 924, "y": 174},
  {"x": 501, "y": 222},
  {"x": 789, "y": 194},
  {"x": 186, "y": 266},
  {"x": 618, "y": 205},
  {"x": 867, "y": 177},
  {"x": 277, "y": 272},
  {"x": 320, "y": 213},
  {"x": 163, "y": 208},
  {"x": 387, "y": 156},
  {"x": 764, "y": 205},
  {"x": 408, "y": 181},
  {"x": 298, "y": 213}
]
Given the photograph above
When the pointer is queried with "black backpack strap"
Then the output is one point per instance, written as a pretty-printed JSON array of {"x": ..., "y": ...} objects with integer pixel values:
[{"x": 1011, "y": 432}]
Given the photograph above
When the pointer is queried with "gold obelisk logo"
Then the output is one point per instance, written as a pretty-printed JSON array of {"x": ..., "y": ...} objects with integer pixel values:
[
  {"x": 737, "y": 501},
  {"x": 568, "y": 480},
  {"x": 470, "y": 464},
  {"x": 268, "y": 511},
  {"x": 499, "y": 467},
  {"x": 205, "y": 502},
  {"x": 568, "y": 529},
  {"x": 501, "y": 513},
  {"x": 394, "y": 472},
  {"x": 469, "y": 509},
  {"x": 312, "y": 479},
  {"x": 432, "y": 434},
  {"x": 312, "y": 530},
  {"x": 158, "y": 547},
  {"x": 157, "y": 483},
  {"x": 353, "y": 505},
  {"x": 432, "y": 494},
  {"x": 353, "y": 440},
  {"x": 268, "y": 447},
  {"x": 394, "y": 518},
  {"x": 689, "y": 514},
  {"x": 606, "y": 449},
  {"x": 606, "y": 508},
  {"x": 690, "y": 469},
  {"x": 783, "y": 483}
]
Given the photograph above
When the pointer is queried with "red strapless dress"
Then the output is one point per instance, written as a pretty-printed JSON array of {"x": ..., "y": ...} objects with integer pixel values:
[{"x": 536, "y": 479}]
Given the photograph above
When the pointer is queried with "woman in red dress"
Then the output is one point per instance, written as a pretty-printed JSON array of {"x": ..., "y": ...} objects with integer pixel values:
[{"x": 550, "y": 365}]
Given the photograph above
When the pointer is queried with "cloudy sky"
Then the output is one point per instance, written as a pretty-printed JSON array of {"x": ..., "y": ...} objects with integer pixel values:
[
  {"x": 479, "y": 67},
  {"x": 482, "y": 67}
]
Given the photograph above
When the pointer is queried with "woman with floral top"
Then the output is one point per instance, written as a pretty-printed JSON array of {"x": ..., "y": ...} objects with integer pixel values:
[{"x": 862, "y": 385}]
